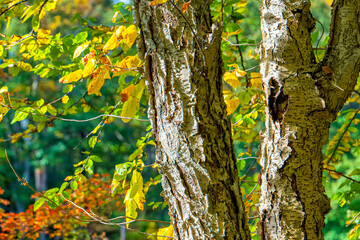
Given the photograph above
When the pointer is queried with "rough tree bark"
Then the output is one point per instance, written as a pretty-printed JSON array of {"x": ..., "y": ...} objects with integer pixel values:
[
  {"x": 195, "y": 153},
  {"x": 303, "y": 98}
]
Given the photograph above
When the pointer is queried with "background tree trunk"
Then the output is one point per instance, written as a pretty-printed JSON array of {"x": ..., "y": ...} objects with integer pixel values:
[
  {"x": 303, "y": 99},
  {"x": 194, "y": 148}
]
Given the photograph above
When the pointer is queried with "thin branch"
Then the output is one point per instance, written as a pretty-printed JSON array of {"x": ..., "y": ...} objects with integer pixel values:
[
  {"x": 242, "y": 61},
  {"x": 342, "y": 174},
  {"x": 12, "y": 6},
  {"x": 322, "y": 34},
  {"x": 240, "y": 44},
  {"x": 342, "y": 135},
  {"x": 107, "y": 222},
  {"x": 249, "y": 181},
  {"x": 94, "y": 118},
  {"x": 252, "y": 68},
  {"x": 353, "y": 220},
  {"x": 25, "y": 183},
  {"x": 93, "y": 216}
]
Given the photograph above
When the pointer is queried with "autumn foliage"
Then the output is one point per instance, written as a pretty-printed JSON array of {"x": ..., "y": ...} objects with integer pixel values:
[{"x": 68, "y": 222}]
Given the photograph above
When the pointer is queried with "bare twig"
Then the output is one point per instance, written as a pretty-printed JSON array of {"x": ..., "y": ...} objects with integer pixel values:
[
  {"x": 341, "y": 174},
  {"x": 342, "y": 135},
  {"x": 353, "y": 220},
  {"x": 12, "y": 6}
]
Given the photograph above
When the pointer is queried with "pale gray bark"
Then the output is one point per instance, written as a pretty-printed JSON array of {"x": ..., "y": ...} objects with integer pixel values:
[
  {"x": 194, "y": 148},
  {"x": 302, "y": 100}
]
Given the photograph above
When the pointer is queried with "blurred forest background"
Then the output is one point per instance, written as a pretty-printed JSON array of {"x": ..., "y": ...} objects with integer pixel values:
[{"x": 46, "y": 158}]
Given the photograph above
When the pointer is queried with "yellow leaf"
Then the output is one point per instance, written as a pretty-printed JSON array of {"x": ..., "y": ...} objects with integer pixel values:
[
  {"x": 24, "y": 66},
  {"x": 4, "y": 89},
  {"x": 242, "y": 3},
  {"x": 130, "y": 108},
  {"x": 96, "y": 129},
  {"x": 65, "y": 99},
  {"x": 71, "y": 77},
  {"x": 127, "y": 64},
  {"x": 89, "y": 67},
  {"x": 234, "y": 33},
  {"x": 111, "y": 44},
  {"x": 329, "y": 2},
  {"x": 98, "y": 81},
  {"x": 43, "y": 37},
  {"x": 119, "y": 31},
  {"x": 114, "y": 40},
  {"x": 185, "y": 6},
  {"x": 139, "y": 88},
  {"x": 256, "y": 80},
  {"x": 155, "y": 2},
  {"x": 354, "y": 230},
  {"x": 238, "y": 71},
  {"x": 114, "y": 17},
  {"x": 129, "y": 35},
  {"x": 135, "y": 197},
  {"x": 80, "y": 49},
  {"x": 231, "y": 79},
  {"x": 167, "y": 231},
  {"x": 332, "y": 171},
  {"x": 227, "y": 94},
  {"x": 232, "y": 105}
]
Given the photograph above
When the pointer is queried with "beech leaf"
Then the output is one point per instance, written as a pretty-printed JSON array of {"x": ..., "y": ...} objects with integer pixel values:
[
  {"x": 185, "y": 6},
  {"x": 232, "y": 105},
  {"x": 80, "y": 49},
  {"x": 71, "y": 77}
]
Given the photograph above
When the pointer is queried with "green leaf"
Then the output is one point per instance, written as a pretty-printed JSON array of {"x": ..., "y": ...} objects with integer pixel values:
[
  {"x": 2, "y": 153},
  {"x": 241, "y": 164},
  {"x": 355, "y": 187},
  {"x": 237, "y": 16},
  {"x": 81, "y": 37},
  {"x": 63, "y": 186},
  {"x": 19, "y": 116},
  {"x": 74, "y": 185},
  {"x": 355, "y": 172},
  {"x": 95, "y": 158},
  {"x": 352, "y": 129},
  {"x": 35, "y": 22},
  {"x": 39, "y": 203},
  {"x": 92, "y": 141}
]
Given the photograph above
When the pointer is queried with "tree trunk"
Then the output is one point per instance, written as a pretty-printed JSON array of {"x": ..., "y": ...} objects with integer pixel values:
[
  {"x": 194, "y": 149},
  {"x": 302, "y": 99}
]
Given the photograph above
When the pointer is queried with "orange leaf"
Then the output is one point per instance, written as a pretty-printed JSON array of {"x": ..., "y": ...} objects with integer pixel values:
[
  {"x": 185, "y": 6},
  {"x": 126, "y": 92},
  {"x": 71, "y": 77},
  {"x": 91, "y": 54},
  {"x": 326, "y": 69}
]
